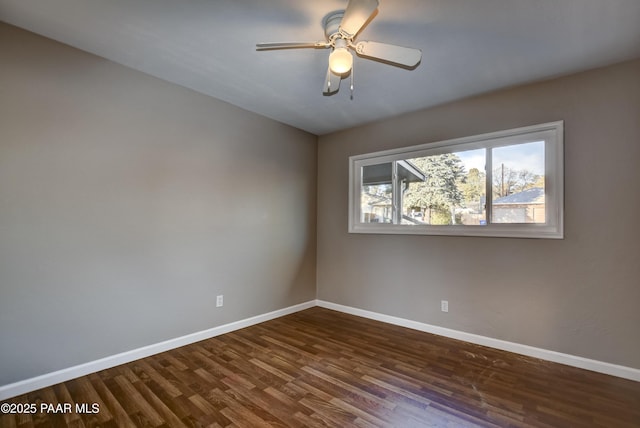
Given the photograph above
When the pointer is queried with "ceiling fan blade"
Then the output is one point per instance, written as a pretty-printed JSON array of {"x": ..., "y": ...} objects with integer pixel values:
[
  {"x": 331, "y": 83},
  {"x": 400, "y": 55},
  {"x": 290, "y": 45},
  {"x": 357, "y": 14}
]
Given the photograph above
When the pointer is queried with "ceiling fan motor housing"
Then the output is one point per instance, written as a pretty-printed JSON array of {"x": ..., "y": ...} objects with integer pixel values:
[{"x": 332, "y": 24}]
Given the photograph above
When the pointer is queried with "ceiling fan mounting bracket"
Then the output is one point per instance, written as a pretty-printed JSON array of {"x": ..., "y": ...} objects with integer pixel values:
[{"x": 331, "y": 24}]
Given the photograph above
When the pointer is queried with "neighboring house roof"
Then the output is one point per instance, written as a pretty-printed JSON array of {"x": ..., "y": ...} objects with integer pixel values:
[{"x": 534, "y": 195}]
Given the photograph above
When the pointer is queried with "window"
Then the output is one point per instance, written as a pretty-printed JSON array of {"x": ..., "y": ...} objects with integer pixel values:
[{"x": 506, "y": 184}]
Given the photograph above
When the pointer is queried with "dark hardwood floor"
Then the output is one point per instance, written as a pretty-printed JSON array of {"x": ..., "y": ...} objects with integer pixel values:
[{"x": 324, "y": 368}]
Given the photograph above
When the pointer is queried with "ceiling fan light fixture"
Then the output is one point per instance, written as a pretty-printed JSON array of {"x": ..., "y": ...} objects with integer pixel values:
[{"x": 340, "y": 60}]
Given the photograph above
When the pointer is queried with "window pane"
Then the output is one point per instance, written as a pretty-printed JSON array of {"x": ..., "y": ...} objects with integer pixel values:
[
  {"x": 518, "y": 184},
  {"x": 451, "y": 190},
  {"x": 472, "y": 210},
  {"x": 376, "y": 200}
]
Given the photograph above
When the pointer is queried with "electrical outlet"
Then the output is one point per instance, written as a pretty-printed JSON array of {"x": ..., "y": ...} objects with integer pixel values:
[
  {"x": 219, "y": 301},
  {"x": 444, "y": 306}
]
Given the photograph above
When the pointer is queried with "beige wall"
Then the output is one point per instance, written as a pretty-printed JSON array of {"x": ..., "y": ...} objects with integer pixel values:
[
  {"x": 128, "y": 203},
  {"x": 580, "y": 295}
]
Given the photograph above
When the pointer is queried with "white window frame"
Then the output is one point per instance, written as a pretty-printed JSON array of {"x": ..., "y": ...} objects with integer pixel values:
[{"x": 553, "y": 135}]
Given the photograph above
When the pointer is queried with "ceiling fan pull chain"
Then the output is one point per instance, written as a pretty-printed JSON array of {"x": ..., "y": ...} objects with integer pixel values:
[{"x": 352, "y": 73}]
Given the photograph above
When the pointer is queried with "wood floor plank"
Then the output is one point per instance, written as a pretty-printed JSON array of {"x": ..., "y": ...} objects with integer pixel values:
[
  {"x": 64, "y": 396},
  {"x": 272, "y": 370},
  {"x": 159, "y": 406},
  {"x": 320, "y": 368},
  {"x": 236, "y": 412},
  {"x": 263, "y": 405},
  {"x": 83, "y": 392},
  {"x": 328, "y": 412},
  {"x": 119, "y": 415},
  {"x": 146, "y": 368},
  {"x": 348, "y": 389},
  {"x": 138, "y": 401},
  {"x": 211, "y": 410}
]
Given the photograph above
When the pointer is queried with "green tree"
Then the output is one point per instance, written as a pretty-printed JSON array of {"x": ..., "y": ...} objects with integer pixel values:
[
  {"x": 439, "y": 193},
  {"x": 473, "y": 187}
]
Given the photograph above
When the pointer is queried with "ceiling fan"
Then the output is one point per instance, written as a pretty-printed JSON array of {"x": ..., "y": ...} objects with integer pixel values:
[{"x": 340, "y": 29}]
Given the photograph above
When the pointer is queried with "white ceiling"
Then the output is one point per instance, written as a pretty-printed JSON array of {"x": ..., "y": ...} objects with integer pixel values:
[{"x": 469, "y": 47}]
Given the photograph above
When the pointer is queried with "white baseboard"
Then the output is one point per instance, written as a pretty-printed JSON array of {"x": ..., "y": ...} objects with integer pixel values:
[
  {"x": 43, "y": 381},
  {"x": 543, "y": 354},
  {"x": 32, "y": 384}
]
